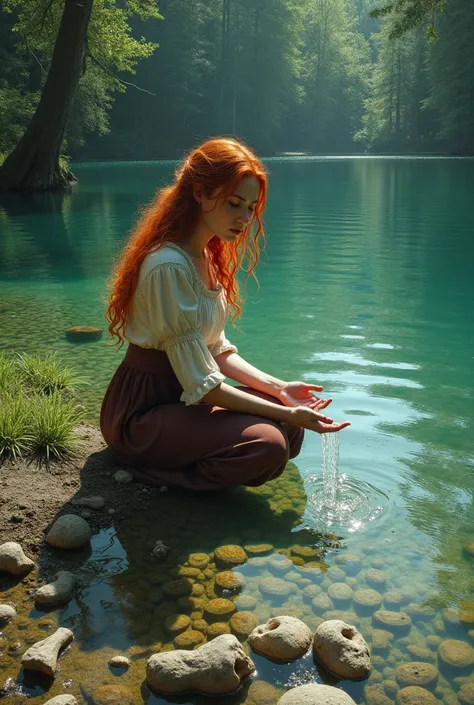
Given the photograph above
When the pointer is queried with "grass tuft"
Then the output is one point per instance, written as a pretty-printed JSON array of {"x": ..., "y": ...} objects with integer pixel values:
[{"x": 39, "y": 410}]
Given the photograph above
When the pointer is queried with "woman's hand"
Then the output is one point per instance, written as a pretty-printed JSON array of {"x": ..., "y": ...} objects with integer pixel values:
[
  {"x": 314, "y": 421},
  {"x": 299, "y": 394}
]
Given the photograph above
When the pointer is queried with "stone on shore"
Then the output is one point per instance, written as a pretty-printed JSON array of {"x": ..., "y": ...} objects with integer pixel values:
[
  {"x": 315, "y": 694},
  {"x": 65, "y": 699},
  {"x": 58, "y": 591},
  {"x": 7, "y": 613},
  {"x": 281, "y": 638},
  {"x": 43, "y": 656},
  {"x": 13, "y": 560},
  {"x": 215, "y": 668},
  {"x": 69, "y": 531},
  {"x": 341, "y": 649}
]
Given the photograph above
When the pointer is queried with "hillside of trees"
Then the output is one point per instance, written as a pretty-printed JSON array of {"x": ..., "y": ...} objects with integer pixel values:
[{"x": 317, "y": 76}]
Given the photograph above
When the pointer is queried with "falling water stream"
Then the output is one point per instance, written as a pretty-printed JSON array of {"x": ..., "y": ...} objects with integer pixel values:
[{"x": 335, "y": 501}]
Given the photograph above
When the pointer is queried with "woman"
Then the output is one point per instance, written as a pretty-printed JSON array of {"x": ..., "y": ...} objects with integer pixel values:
[{"x": 168, "y": 414}]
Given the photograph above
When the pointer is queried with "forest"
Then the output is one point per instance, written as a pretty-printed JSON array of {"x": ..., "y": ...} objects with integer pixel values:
[{"x": 142, "y": 79}]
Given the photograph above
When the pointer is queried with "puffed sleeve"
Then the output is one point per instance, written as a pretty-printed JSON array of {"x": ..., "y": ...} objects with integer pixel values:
[
  {"x": 222, "y": 345},
  {"x": 173, "y": 307}
]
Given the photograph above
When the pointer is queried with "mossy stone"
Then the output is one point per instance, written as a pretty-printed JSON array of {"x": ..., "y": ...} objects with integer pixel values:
[
  {"x": 242, "y": 623},
  {"x": 311, "y": 591},
  {"x": 350, "y": 562},
  {"x": 178, "y": 588},
  {"x": 262, "y": 693},
  {"x": 397, "y": 621},
  {"x": 322, "y": 602},
  {"x": 198, "y": 590},
  {"x": 381, "y": 639},
  {"x": 229, "y": 580},
  {"x": 189, "y": 639},
  {"x": 466, "y": 694},
  {"x": 112, "y": 695},
  {"x": 216, "y": 629},
  {"x": 280, "y": 563},
  {"x": 218, "y": 610},
  {"x": 246, "y": 602},
  {"x": 375, "y": 577},
  {"x": 198, "y": 560},
  {"x": 340, "y": 592},
  {"x": 199, "y": 625},
  {"x": 187, "y": 572},
  {"x": 258, "y": 549},
  {"x": 191, "y": 603},
  {"x": 177, "y": 623},
  {"x": 308, "y": 553},
  {"x": 229, "y": 556},
  {"x": 468, "y": 548}
]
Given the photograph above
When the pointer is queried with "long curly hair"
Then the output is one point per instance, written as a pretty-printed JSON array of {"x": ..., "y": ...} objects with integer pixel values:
[{"x": 216, "y": 165}]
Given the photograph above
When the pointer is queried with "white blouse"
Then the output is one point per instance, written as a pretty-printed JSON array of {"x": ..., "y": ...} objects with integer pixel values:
[{"x": 174, "y": 311}]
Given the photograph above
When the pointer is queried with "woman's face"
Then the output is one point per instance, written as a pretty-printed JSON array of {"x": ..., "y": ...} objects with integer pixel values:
[{"x": 227, "y": 217}]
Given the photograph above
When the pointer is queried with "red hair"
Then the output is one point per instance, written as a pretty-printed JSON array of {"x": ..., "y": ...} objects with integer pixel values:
[{"x": 217, "y": 165}]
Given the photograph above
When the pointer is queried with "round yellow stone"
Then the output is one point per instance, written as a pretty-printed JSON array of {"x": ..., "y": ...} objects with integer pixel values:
[
  {"x": 228, "y": 580},
  {"x": 217, "y": 629},
  {"x": 188, "y": 639},
  {"x": 230, "y": 556},
  {"x": 218, "y": 610},
  {"x": 177, "y": 623},
  {"x": 198, "y": 560},
  {"x": 242, "y": 623}
]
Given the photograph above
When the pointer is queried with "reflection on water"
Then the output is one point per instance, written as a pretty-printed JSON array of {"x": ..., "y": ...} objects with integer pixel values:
[{"x": 366, "y": 288}]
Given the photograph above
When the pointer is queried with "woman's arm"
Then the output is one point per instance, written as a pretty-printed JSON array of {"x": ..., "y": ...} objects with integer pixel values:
[
  {"x": 228, "y": 397},
  {"x": 235, "y": 367}
]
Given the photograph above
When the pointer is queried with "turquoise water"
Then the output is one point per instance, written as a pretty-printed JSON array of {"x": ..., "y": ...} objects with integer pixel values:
[{"x": 366, "y": 288}]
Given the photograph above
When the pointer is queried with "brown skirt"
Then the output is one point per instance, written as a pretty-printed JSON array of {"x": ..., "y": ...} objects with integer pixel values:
[{"x": 200, "y": 447}]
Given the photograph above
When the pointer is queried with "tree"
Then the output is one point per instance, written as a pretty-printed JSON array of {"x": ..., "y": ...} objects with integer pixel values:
[
  {"x": 408, "y": 14},
  {"x": 79, "y": 34}
]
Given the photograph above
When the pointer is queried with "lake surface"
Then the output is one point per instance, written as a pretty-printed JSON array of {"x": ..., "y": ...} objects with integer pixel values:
[{"x": 366, "y": 287}]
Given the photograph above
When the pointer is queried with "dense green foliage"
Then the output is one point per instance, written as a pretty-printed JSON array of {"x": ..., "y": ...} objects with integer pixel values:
[{"x": 286, "y": 75}]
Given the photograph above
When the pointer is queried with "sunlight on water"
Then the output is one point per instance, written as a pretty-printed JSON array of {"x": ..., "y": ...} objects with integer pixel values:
[{"x": 337, "y": 502}]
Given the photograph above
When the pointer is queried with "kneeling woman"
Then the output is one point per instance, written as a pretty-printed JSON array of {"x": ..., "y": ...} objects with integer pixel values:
[{"x": 168, "y": 414}]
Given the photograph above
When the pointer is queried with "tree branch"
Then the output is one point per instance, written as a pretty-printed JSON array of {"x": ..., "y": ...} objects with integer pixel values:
[
  {"x": 34, "y": 56},
  {"x": 105, "y": 68}
]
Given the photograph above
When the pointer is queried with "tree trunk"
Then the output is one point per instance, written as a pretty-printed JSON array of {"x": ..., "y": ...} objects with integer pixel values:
[{"x": 34, "y": 163}]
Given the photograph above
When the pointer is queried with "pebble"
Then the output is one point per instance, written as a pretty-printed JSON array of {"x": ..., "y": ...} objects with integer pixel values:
[{"x": 123, "y": 477}]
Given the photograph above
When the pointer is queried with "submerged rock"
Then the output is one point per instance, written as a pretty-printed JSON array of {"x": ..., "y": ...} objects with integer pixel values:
[
  {"x": 341, "y": 649},
  {"x": 69, "y": 531},
  {"x": 65, "y": 699},
  {"x": 456, "y": 654},
  {"x": 315, "y": 694},
  {"x": 216, "y": 668},
  {"x": 112, "y": 695},
  {"x": 282, "y": 638},
  {"x": 58, "y": 591},
  {"x": 414, "y": 695},
  {"x": 43, "y": 656},
  {"x": 13, "y": 559},
  {"x": 230, "y": 556},
  {"x": 420, "y": 673}
]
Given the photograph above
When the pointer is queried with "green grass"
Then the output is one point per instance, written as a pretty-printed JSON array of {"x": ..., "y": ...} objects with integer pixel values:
[{"x": 39, "y": 409}]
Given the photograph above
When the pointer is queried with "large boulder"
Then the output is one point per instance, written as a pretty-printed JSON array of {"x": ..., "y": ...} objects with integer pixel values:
[
  {"x": 13, "y": 560},
  {"x": 215, "y": 668},
  {"x": 281, "y": 638},
  {"x": 43, "y": 656},
  {"x": 315, "y": 694},
  {"x": 341, "y": 649}
]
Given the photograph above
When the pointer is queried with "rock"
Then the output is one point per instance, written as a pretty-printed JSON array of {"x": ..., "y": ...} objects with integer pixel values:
[
  {"x": 466, "y": 694},
  {"x": 119, "y": 662},
  {"x": 468, "y": 549},
  {"x": 62, "y": 700},
  {"x": 457, "y": 654},
  {"x": 396, "y": 621},
  {"x": 177, "y": 623},
  {"x": 274, "y": 587},
  {"x": 322, "y": 602},
  {"x": 381, "y": 639},
  {"x": 112, "y": 695},
  {"x": 376, "y": 578},
  {"x": 81, "y": 334},
  {"x": 43, "y": 656},
  {"x": 242, "y": 624},
  {"x": 349, "y": 562},
  {"x": 315, "y": 694},
  {"x": 418, "y": 673},
  {"x": 262, "y": 693},
  {"x": 198, "y": 560},
  {"x": 341, "y": 649},
  {"x": 281, "y": 638},
  {"x": 230, "y": 580},
  {"x": 258, "y": 549},
  {"x": 69, "y": 531},
  {"x": 13, "y": 560},
  {"x": 230, "y": 556},
  {"x": 188, "y": 639},
  {"x": 414, "y": 695},
  {"x": 7, "y": 613},
  {"x": 216, "y": 668},
  {"x": 217, "y": 629},
  {"x": 367, "y": 600},
  {"x": 95, "y": 502},
  {"x": 420, "y": 653},
  {"x": 375, "y": 695},
  {"x": 123, "y": 477},
  {"x": 160, "y": 550},
  {"x": 340, "y": 592},
  {"x": 58, "y": 591},
  {"x": 218, "y": 610}
]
